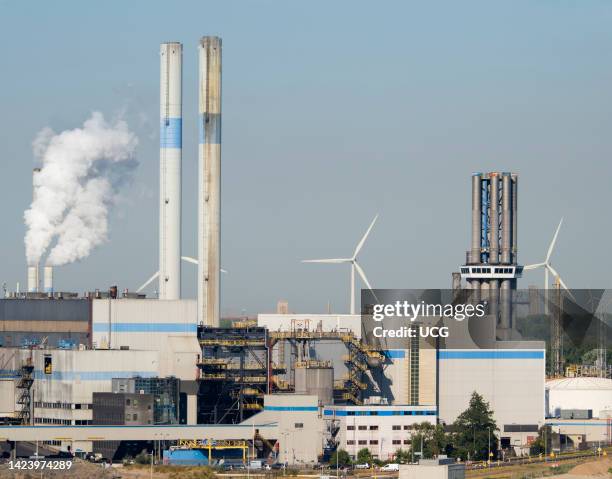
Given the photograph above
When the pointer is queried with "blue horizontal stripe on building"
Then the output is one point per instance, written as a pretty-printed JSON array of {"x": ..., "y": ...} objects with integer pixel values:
[
  {"x": 379, "y": 412},
  {"x": 171, "y": 133},
  {"x": 395, "y": 353},
  {"x": 212, "y": 133},
  {"x": 493, "y": 354},
  {"x": 146, "y": 328},
  {"x": 92, "y": 375},
  {"x": 291, "y": 408}
]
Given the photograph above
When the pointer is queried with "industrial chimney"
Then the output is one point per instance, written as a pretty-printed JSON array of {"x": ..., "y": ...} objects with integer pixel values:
[
  {"x": 170, "y": 153},
  {"x": 209, "y": 181},
  {"x": 491, "y": 269},
  {"x": 48, "y": 279},
  {"x": 33, "y": 279}
]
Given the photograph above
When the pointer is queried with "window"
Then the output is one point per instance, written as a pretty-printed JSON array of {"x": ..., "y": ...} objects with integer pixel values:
[
  {"x": 407, "y": 428},
  {"x": 396, "y": 428},
  {"x": 350, "y": 442},
  {"x": 298, "y": 425},
  {"x": 363, "y": 428},
  {"x": 374, "y": 442},
  {"x": 128, "y": 402},
  {"x": 407, "y": 441},
  {"x": 135, "y": 416},
  {"x": 362, "y": 442},
  {"x": 396, "y": 441},
  {"x": 350, "y": 428},
  {"x": 373, "y": 428}
]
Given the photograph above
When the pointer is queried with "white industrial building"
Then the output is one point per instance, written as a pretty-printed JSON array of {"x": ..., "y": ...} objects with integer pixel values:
[
  {"x": 589, "y": 393},
  {"x": 383, "y": 429},
  {"x": 129, "y": 338},
  {"x": 511, "y": 380}
]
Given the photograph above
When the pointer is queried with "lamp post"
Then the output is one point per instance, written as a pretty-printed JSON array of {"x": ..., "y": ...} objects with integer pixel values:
[{"x": 489, "y": 449}]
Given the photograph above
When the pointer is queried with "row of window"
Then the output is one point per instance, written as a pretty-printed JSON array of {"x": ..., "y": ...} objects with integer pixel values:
[
  {"x": 395, "y": 427},
  {"x": 48, "y": 420},
  {"x": 374, "y": 442},
  {"x": 61, "y": 405},
  {"x": 487, "y": 270},
  {"x": 61, "y": 422},
  {"x": 388, "y": 413}
]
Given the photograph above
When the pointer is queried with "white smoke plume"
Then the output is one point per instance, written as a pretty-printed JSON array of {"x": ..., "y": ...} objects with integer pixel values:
[{"x": 82, "y": 172}]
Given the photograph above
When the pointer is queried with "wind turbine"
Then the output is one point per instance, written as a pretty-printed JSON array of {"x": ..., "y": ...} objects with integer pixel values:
[
  {"x": 548, "y": 268},
  {"x": 353, "y": 262},
  {"x": 187, "y": 259}
]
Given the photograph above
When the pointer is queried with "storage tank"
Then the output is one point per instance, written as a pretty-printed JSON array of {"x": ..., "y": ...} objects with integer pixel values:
[
  {"x": 316, "y": 380},
  {"x": 579, "y": 393}
]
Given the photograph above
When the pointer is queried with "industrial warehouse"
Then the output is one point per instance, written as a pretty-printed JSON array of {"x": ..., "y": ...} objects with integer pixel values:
[{"x": 113, "y": 372}]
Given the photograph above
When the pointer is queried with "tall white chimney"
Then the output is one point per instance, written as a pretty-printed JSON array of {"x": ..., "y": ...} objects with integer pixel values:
[
  {"x": 170, "y": 153},
  {"x": 48, "y": 279},
  {"x": 33, "y": 279},
  {"x": 209, "y": 181}
]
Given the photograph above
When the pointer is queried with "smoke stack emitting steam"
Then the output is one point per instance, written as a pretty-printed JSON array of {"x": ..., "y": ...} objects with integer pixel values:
[{"x": 82, "y": 171}]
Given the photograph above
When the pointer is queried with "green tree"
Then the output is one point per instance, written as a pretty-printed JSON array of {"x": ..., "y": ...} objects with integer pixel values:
[
  {"x": 402, "y": 456},
  {"x": 340, "y": 457},
  {"x": 364, "y": 455},
  {"x": 543, "y": 443},
  {"x": 473, "y": 428},
  {"x": 433, "y": 438}
]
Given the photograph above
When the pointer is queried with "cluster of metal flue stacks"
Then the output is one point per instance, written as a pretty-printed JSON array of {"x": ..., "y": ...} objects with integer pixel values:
[{"x": 492, "y": 259}]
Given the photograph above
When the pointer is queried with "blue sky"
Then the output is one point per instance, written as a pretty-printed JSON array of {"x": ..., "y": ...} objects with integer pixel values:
[{"x": 333, "y": 112}]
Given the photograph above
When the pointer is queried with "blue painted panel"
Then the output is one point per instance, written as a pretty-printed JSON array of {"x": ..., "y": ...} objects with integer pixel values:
[
  {"x": 146, "y": 328},
  {"x": 497, "y": 354},
  {"x": 212, "y": 134},
  {"x": 171, "y": 133},
  {"x": 91, "y": 375},
  {"x": 395, "y": 353}
]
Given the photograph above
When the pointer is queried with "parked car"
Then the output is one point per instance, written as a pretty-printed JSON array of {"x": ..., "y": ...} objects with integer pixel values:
[
  {"x": 390, "y": 467},
  {"x": 365, "y": 465}
]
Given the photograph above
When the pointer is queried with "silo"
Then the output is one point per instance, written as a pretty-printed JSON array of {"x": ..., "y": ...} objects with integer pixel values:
[{"x": 316, "y": 380}]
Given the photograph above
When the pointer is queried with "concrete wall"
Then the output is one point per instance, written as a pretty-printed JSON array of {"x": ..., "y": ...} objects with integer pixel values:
[
  {"x": 144, "y": 324},
  {"x": 511, "y": 380},
  {"x": 299, "y": 429},
  {"x": 8, "y": 406}
]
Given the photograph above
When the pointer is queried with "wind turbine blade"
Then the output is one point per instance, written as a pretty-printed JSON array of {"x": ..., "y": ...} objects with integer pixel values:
[
  {"x": 533, "y": 266},
  {"x": 362, "y": 274},
  {"x": 189, "y": 259},
  {"x": 365, "y": 236},
  {"x": 554, "y": 240},
  {"x": 148, "y": 282},
  {"x": 364, "y": 278},
  {"x": 556, "y": 275},
  {"x": 328, "y": 261}
]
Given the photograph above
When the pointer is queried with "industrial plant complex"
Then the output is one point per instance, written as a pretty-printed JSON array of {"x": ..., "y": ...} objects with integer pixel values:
[{"x": 112, "y": 371}]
